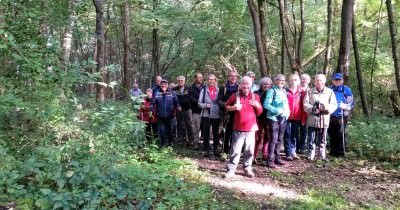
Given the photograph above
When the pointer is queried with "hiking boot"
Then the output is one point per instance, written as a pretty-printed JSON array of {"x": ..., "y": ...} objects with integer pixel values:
[
  {"x": 270, "y": 164},
  {"x": 249, "y": 174},
  {"x": 289, "y": 158},
  {"x": 279, "y": 162},
  {"x": 229, "y": 174}
]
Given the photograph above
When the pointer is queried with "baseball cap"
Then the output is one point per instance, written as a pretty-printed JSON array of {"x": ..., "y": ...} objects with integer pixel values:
[{"x": 337, "y": 76}]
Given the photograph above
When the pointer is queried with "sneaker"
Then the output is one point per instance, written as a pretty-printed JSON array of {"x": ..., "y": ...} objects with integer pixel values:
[
  {"x": 289, "y": 158},
  {"x": 295, "y": 157},
  {"x": 279, "y": 162},
  {"x": 271, "y": 164},
  {"x": 229, "y": 174},
  {"x": 249, "y": 174}
]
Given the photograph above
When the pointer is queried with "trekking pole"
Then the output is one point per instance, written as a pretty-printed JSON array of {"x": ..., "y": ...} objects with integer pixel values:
[{"x": 343, "y": 133}]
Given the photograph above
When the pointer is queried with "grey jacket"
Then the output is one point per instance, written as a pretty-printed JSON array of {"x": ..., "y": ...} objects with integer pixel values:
[{"x": 213, "y": 111}]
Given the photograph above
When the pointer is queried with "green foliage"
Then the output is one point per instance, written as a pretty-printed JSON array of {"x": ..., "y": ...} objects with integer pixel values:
[
  {"x": 319, "y": 200},
  {"x": 375, "y": 139}
]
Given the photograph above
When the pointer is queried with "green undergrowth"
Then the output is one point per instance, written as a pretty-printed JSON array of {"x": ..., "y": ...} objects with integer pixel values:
[
  {"x": 376, "y": 139},
  {"x": 76, "y": 154}
]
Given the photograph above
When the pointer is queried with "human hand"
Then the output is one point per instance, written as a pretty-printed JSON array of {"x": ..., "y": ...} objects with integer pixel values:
[
  {"x": 238, "y": 107},
  {"x": 179, "y": 108},
  {"x": 255, "y": 104},
  {"x": 343, "y": 106}
]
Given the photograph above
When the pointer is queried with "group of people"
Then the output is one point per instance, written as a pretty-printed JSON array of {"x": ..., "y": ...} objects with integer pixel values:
[{"x": 242, "y": 117}]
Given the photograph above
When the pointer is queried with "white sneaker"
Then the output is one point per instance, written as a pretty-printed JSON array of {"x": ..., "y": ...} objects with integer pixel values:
[{"x": 229, "y": 174}]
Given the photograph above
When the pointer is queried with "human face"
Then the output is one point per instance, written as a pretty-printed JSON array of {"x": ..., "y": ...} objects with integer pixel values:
[
  {"x": 252, "y": 76},
  {"x": 319, "y": 82},
  {"x": 232, "y": 77},
  {"x": 304, "y": 82},
  {"x": 337, "y": 82},
  {"x": 294, "y": 82},
  {"x": 181, "y": 82},
  {"x": 211, "y": 81},
  {"x": 280, "y": 83},
  {"x": 266, "y": 86},
  {"x": 149, "y": 94},
  {"x": 245, "y": 87},
  {"x": 199, "y": 79},
  {"x": 163, "y": 86}
]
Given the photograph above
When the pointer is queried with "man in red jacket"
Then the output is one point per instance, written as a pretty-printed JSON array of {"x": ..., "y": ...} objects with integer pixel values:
[{"x": 246, "y": 107}]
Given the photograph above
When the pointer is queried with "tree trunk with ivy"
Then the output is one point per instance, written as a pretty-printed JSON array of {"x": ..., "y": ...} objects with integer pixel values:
[{"x": 101, "y": 85}]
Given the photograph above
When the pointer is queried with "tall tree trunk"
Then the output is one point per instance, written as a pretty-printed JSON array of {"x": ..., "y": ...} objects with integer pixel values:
[
  {"x": 258, "y": 37},
  {"x": 283, "y": 55},
  {"x": 101, "y": 86},
  {"x": 371, "y": 89},
  {"x": 395, "y": 55},
  {"x": 284, "y": 27},
  {"x": 68, "y": 34},
  {"x": 92, "y": 86},
  {"x": 328, "y": 44},
  {"x": 360, "y": 80},
  {"x": 345, "y": 38},
  {"x": 301, "y": 34},
  {"x": 127, "y": 75},
  {"x": 156, "y": 44},
  {"x": 261, "y": 16}
]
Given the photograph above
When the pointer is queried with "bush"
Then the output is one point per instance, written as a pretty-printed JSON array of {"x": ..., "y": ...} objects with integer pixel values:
[{"x": 375, "y": 139}]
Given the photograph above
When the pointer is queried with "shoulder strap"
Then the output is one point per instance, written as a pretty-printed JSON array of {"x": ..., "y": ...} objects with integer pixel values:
[{"x": 204, "y": 94}]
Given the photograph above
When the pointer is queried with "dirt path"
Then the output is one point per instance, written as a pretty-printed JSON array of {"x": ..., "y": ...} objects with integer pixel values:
[{"x": 358, "y": 182}]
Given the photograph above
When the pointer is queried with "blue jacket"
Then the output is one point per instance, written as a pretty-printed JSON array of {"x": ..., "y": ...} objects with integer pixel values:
[
  {"x": 343, "y": 95},
  {"x": 165, "y": 104}
]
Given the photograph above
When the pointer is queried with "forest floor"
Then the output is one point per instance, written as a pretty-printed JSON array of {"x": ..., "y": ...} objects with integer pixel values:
[{"x": 339, "y": 183}]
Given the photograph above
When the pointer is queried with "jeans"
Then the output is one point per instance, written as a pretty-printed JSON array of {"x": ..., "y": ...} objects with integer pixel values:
[
  {"x": 240, "y": 139},
  {"x": 228, "y": 133},
  {"x": 300, "y": 146},
  {"x": 291, "y": 137},
  {"x": 165, "y": 131},
  {"x": 277, "y": 131}
]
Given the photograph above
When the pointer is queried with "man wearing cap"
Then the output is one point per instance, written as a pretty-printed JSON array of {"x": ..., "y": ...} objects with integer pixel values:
[
  {"x": 165, "y": 103},
  {"x": 338, "y": 121}
]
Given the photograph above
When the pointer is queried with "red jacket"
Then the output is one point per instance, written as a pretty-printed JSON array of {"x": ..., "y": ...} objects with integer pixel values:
[
  {"x": 303, "y": 113},
  {"x": 245, "y": 119},
  {"x": 295, "y": 104},
  {"x": 144, "y": 112}
]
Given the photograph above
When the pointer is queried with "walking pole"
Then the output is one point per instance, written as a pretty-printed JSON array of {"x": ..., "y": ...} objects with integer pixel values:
[{"x": 344, "y": 146}]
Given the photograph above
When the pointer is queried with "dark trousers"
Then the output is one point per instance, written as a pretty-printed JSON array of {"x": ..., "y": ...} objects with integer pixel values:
[
  {"x": 228, "y": 133},
  {"x": 205, "y": 132},
  {"x": 291, "y": 137},
  {"x": 277, "y": 131},
  {"x": 184, "y": 125},
  {"x": 262, "y": 137},
  {"x": 335, "y": 132},
  {"x": 301, "y": 145},
  {"x": 165, "y": 131},
  {"x": 151, "y": 131}
]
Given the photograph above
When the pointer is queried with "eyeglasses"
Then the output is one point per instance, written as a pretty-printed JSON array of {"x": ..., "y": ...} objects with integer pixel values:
[{"x": 337, "y": 79}]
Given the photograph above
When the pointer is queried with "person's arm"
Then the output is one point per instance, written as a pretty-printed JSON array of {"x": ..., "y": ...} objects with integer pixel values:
[
  {"x": 176, "y": 102},
  {"x": 268, "y": 102},
  {"x": 286, "y": 108},
  {"x": 257, "y": 106},
  {"x": 349, "y": 98},
  {"x": 332, "y": 106},
  {"x": 230, "y": 104},
  {"x": 202, "y": 105},
  {"x": 306, "y": 103},
  {"x": 220, "y": 97}
]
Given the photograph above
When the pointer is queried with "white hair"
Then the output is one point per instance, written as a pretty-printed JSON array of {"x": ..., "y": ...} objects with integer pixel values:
[
  {"x": 247, "y": 79},
  {"x": 322, "y": 77},
  {"x": 180, "y": 77},
  {"x": 305, "y": 76}
]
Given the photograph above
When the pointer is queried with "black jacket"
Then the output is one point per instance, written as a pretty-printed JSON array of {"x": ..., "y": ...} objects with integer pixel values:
[
  {"x": 183, "y": 98},
  {"x": 194, "y": 93}
]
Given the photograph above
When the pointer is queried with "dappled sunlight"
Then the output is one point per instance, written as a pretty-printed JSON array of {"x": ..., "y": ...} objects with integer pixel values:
[{"x": 248, "y": 186}]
